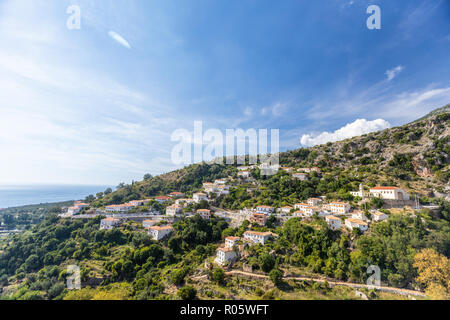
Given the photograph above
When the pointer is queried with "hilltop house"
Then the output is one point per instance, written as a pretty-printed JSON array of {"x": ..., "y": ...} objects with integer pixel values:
[
  {"x": 352, "y": 223},
  {"x": 176, "y": 194},
  {"x": 73, "y": 210},
  {"x": 286, "y": 209},
  {"x": 264, "y": 209},
  {"x": 338, "y": 207},
  {"x": 300, "y": 176},
  {"x": 225, "y": 255},
  {"x": 244, "y": 174},
  {"x": 148, "y": 223},
  {"x": 360, "y": 193},
  {"x": 220, "y": 181},
  {"x": 76, "y": 208},
  {"x": 259, "y": 218},
  {"x": 174, "y": 210},
  {"x": 299, "y": 214},
  {"x": 204, "y": 213},
  {"x": 162, "y": 199},
  {"x": 334, "y": 223},
  {"x": 136, "y": 203},
  {"x": 300, "y": 206},
  {"x": 209, "y": 187},
  {"x": 389, "y": 193},
  {"x": 359, "y": 215},
  {"x": 159, "y": 232},
  {"x": 199, "y": 196},
  {"x": 223, "y": 189},
  {"x": 379, "y": 216},
  {"x": 119, "y": 207},
  {"x": 109, "y": 223},
  {"x": 231, "y": 241},
  {"x": 257, "y": 237},
  {"x": 81, "y": 205},
  {"x": 314, "y": 201}
]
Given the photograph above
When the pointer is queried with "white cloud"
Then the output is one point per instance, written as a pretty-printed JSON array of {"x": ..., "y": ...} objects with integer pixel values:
[
  {"x": 119, "y": 39},
  {"x": 248, "y": 111},
  {"x": 356, "y": 128},
  {"x": 276, "y": 110},
  {"x": 392, "y": 73}
]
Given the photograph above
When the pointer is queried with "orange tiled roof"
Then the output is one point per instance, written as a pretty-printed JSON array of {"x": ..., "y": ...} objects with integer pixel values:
[{"x": 384, "y": 188}]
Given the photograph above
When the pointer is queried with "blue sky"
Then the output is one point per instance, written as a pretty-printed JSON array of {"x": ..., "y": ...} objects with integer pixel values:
[{"x": 98, "y": 105}]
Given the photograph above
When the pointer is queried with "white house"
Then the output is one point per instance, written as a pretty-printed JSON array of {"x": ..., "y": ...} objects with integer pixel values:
[
  {"x": 244, "y": 174},
  {"x": 81, "y": 205},
  {"x": 159, "y": 232},
  {"x": 265, "y": 209},
  {"x": 231, "y": 241},
  {"x": 389, "y": 193},
  {"x": 225, "y": 255},
  {"x": 162, "y": 199},
  {"x": 199, "y": 196},
  {"x": 286, "y": 209},
  {"x": 109, "y": 223},
  {"x": 360, "y": 193},
  {"x": 209, "y": 187},
  {"x": 148, "y": 223},
  {"x": 359, "y": 215},
  {"x": 174, "y": 210},
  {"x": 352, "y": 223},
  {"x": 299, "y": 214},
  {"x": 136, "y": 203},
  {"x": 300, "y": 176},
  {"x": 73, "y": 210},
  {"x": 223, "y": 189},
  {"x": 176, "y": 194},
  {"x": 338, "y": 207},
  {"x": 300, "y": 206},
  {"x": 314, "y": 201},
  {"x": 307, "y": 209},
  {"x": 119, "y": 207},
  {"x": 334, "y": 223},
  {"x": 220, "y": 181},
  {"x": 204, "y": 213},
  {"x": 379, "y": 216},
  {"x": 257, "y": 237}
]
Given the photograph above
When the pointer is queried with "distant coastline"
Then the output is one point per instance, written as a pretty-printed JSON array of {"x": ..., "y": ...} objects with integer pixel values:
[{"x": 21, "y": 195}]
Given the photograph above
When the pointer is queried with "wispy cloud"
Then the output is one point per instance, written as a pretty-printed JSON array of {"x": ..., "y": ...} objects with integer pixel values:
[
  {"x": 392, "y": 73},
  {"x": 119, "y": 39},
  {"x": 356, "y": 128}
]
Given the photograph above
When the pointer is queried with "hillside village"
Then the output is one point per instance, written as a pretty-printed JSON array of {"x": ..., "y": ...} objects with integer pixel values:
[
  {"x": 326, "y": 213},
  {"x": 338, "y": 215}
]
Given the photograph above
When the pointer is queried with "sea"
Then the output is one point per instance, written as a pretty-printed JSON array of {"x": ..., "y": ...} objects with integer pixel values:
[{"x": 20, "y": 195}]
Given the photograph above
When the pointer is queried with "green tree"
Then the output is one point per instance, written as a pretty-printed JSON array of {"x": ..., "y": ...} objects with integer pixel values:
[
  {"x": 266, "y": 262},
  {"x": 219, "y": 275},
  {"x": 187, "y": 293},
  {"x": 276, "y": 276}
]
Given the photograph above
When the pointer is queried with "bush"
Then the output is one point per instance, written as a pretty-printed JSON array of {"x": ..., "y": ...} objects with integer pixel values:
[
  {"x": 187, "y": 293},
  {"x": 218, "y": 276},
  {"x": 266, "y": 262},
  {"x": 276, "y": 276}
]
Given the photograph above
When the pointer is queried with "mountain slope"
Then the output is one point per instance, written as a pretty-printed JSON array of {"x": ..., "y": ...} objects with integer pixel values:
[{"x": 414, "y": 156}]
